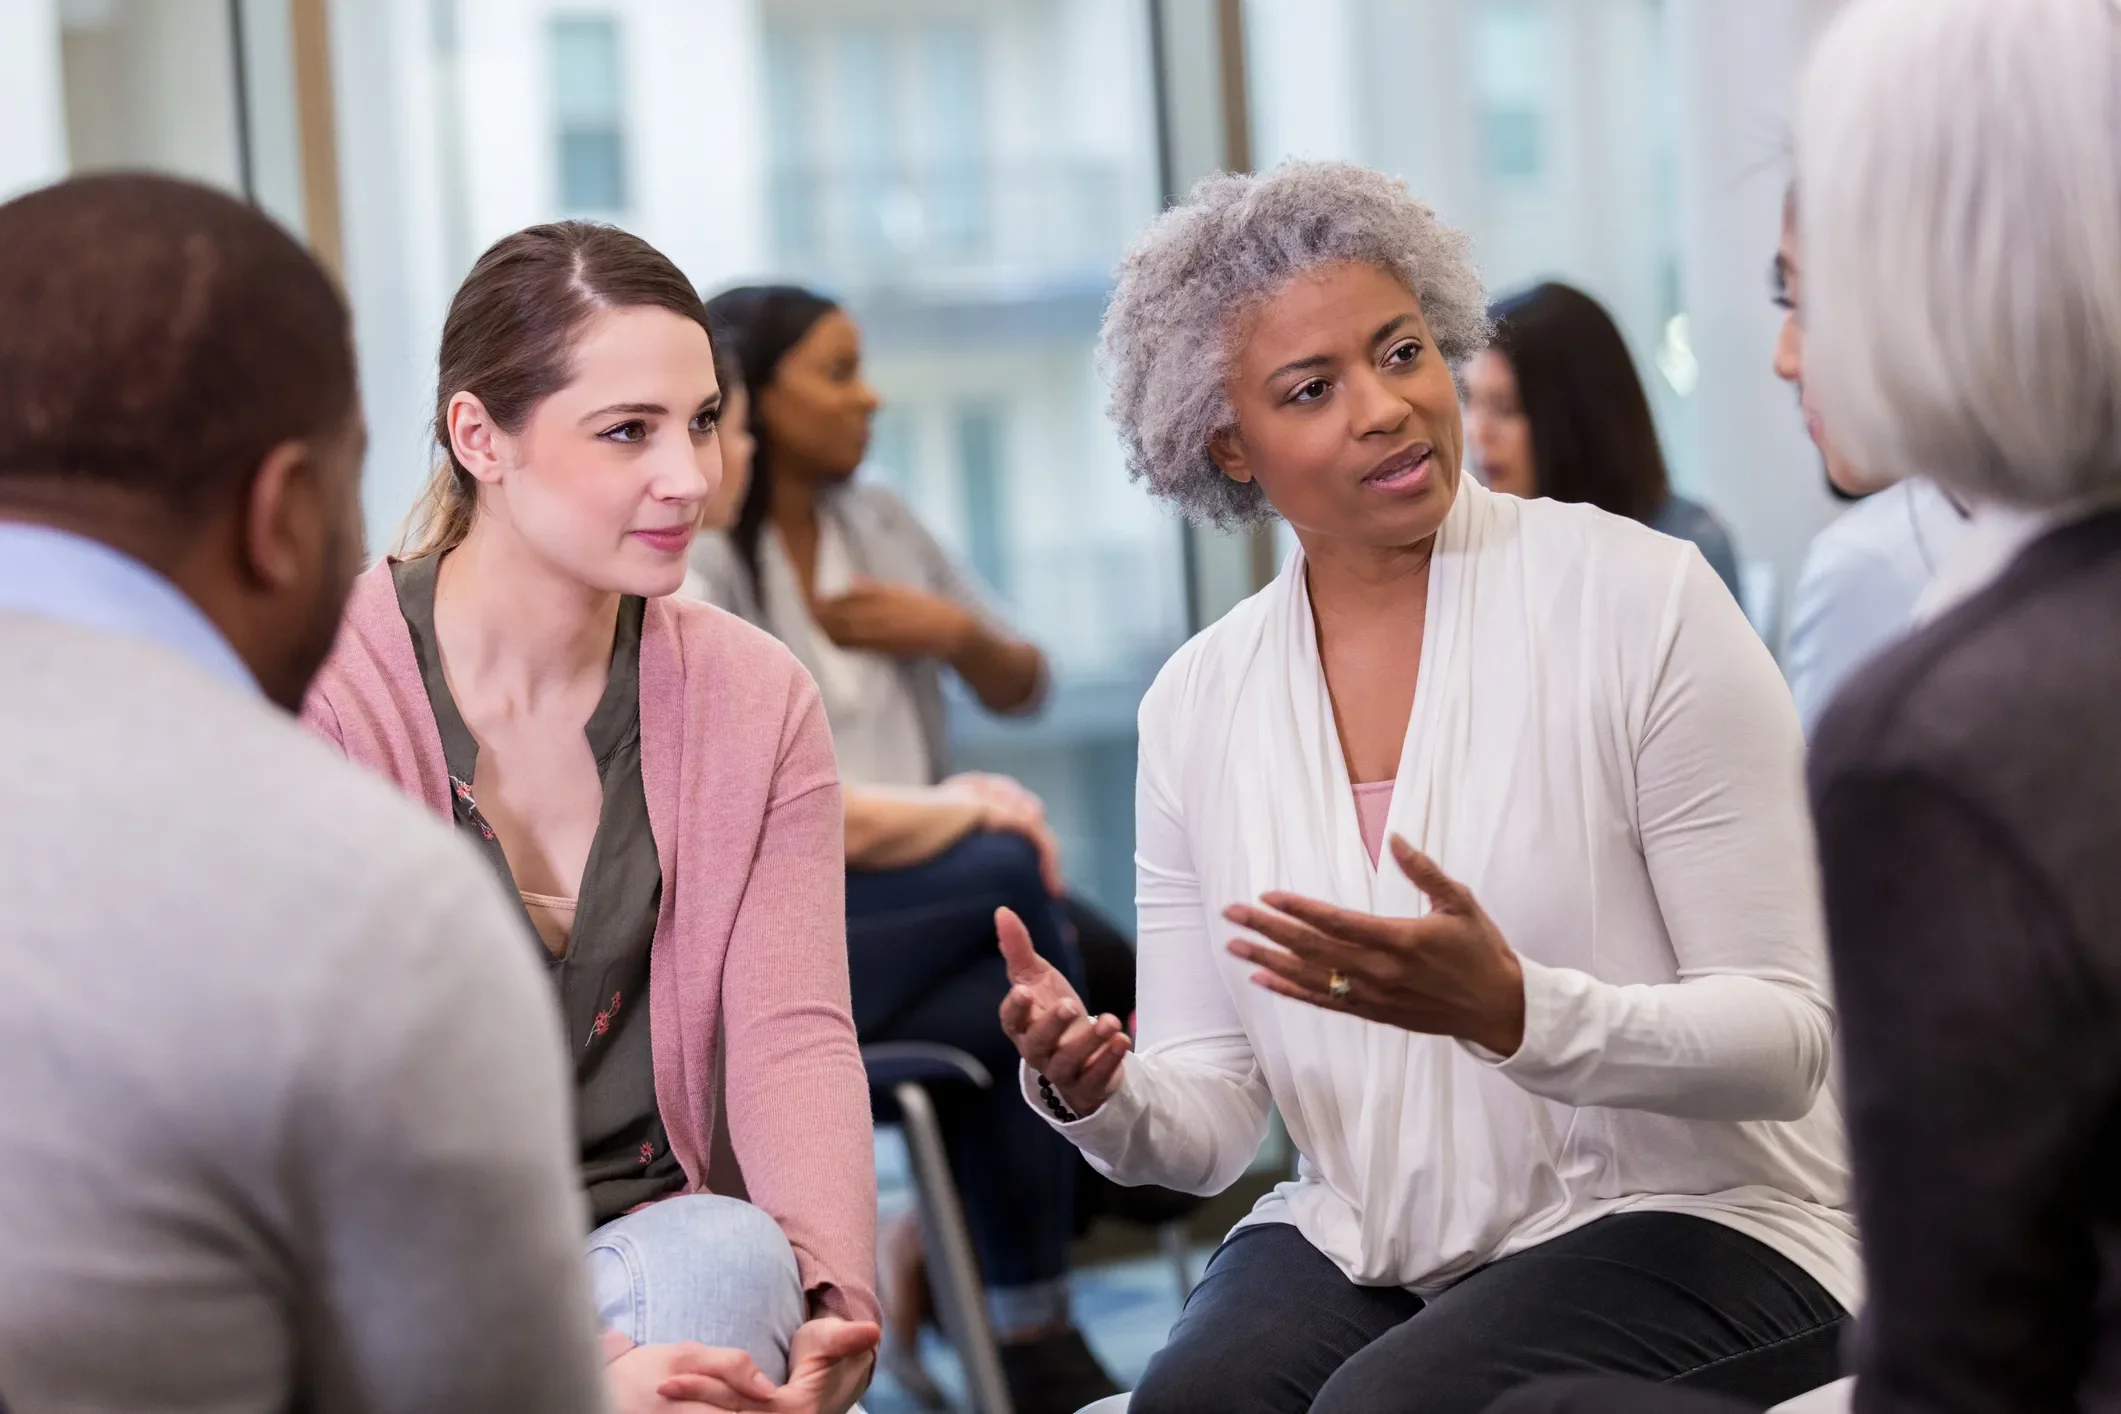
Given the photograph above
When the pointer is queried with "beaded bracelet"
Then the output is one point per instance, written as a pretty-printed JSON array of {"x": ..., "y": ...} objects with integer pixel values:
[{"x": 1054, "y": 1102}]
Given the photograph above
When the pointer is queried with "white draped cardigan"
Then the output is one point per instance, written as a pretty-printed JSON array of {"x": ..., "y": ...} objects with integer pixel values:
[{"x": 1604, "y": 752}]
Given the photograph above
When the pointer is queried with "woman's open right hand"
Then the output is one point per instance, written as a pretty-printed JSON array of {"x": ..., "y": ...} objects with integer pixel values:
[{"x": 1079, "y": 1054}]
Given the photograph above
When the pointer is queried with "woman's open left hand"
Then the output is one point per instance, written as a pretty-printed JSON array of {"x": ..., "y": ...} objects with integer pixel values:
[{"x": 1450, "y": 973}]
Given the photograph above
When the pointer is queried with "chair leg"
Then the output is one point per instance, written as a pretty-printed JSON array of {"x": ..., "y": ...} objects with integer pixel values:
[
  {"x": 953, "y": 1267},
  {"x": 1171, "y": 1240}
]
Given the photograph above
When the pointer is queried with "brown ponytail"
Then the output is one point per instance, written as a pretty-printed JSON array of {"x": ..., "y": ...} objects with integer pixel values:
[{"x": 509, "y": 341}]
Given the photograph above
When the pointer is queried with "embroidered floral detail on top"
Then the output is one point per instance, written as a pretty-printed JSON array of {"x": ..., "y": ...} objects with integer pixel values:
[{"x": 602, "y": 1025}]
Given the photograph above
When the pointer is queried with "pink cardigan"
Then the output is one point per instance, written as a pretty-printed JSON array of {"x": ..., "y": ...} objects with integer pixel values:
[{"x": 744, "y": 802}]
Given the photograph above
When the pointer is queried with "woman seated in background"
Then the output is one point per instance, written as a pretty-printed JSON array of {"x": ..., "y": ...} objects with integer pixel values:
[
  {"x": 927, "y": 866},
  {"x": 1554, "y": 409},
  {"x": 653, "y": 780},
  {"x": 1556, "y": 1062},
  {"x": 842, "y": 572}
]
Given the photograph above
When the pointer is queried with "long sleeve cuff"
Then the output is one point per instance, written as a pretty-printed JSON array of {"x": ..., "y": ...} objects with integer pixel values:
[
  {"x": 1552, "y": 1051},
  {"x": 1100, "y": 1135}
]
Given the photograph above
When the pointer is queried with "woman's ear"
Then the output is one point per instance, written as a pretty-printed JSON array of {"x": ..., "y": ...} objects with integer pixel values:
[
  {"x": 474, "y": 438},
  {"x": 1227, "y": 450}
]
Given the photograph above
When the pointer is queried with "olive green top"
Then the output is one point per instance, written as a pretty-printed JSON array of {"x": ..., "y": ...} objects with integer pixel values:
[{"x": 602, "y": 976}]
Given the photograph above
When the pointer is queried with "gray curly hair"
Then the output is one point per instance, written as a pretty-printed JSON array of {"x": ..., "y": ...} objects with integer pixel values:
[{"x": 1208, "y": 262}]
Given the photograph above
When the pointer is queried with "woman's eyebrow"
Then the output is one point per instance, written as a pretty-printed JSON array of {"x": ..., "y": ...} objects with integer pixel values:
[
  {"x": 630, "y": 409},
  {"x": 1299, "y": 365},
  {"x": 1389, "y": 328}
]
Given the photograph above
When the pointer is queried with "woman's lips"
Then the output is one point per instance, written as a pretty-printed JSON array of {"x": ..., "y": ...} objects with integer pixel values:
[
  {"x": 1404, "y": 474},
  {"x": 673, "y": 541}
]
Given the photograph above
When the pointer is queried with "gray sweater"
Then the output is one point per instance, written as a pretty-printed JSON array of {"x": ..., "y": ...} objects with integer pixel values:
[{"x": 283, "y": 1114}]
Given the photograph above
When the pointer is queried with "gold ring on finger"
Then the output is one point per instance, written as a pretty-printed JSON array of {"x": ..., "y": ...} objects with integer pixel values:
[{"x": 1338, "y": 986}]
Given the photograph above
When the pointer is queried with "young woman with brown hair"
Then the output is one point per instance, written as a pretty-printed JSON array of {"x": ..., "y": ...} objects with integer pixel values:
[{"x": 654, "y": 781}]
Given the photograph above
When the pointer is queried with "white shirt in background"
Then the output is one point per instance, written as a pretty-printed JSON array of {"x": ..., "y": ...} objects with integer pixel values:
[
  {"x": 876, "y": 723},
  {"x": 1861, "y": 581},
  {"x": 1991, "y": 540}
]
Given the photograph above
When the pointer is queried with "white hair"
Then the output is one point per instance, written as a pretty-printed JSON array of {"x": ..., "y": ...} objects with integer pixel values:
[
  {"x": 1211, "y": 260},
  {"x": 1959, "y": 204}
]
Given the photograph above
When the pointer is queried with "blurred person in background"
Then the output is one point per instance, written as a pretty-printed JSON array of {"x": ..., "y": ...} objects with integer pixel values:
[
  {"x": 1554, "y": 408},
  {"x": 1475, "y": 845},
  {"x": 652, "y": 781},
  {"x": 927, "y": 866},
  {"x": 1865, "y": 574},
  {"x": 283, "y": 1119},
  {"x": 841, "y": 571}
]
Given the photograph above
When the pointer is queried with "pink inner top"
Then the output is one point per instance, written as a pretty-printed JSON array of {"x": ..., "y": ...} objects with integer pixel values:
[{"x": 1373, "y": 801}]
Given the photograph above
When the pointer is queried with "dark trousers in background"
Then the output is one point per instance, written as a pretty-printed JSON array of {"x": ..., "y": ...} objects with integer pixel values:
[
  {"x": 925, "y": 966},
  {"x": 1108, "y": 959},
  {"x": 1275, "y": 1328}
]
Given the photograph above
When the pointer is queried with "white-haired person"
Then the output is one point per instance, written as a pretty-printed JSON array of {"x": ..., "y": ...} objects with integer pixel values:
[
  {"x": 1959, "y": 198},
  {"x": 1556, "y": 1057}
]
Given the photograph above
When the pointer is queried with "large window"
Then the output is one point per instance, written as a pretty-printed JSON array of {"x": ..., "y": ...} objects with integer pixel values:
[
  {"x": 963, "y": 176},
  {"x": 1634, "y": 148},
  {"x": 1543, "y": 127},
  {"x": 589, "y": 117},
  {"x": 98, "y": 84},
  {"x": 967, "y": 178}
]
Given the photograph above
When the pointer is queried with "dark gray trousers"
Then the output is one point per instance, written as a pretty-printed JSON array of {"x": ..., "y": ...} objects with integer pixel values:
[{"x": 1275, "y": 1328}]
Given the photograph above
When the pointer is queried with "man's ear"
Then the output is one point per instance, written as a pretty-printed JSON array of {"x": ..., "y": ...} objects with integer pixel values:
[
  {"x": 1227, "y": 450},
  {"x": 281, "y": 514}
]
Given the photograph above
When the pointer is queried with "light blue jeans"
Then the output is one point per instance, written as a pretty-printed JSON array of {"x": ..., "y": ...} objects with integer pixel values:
[{"x": 699, "y": 1267}]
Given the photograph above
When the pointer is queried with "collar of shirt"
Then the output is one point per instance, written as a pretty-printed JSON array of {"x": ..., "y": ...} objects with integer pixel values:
[
  {"x": 1994, "y": 536},
  {"x": 54, "y": 574}
]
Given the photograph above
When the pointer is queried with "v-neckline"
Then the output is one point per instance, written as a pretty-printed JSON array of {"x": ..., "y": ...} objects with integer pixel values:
[
  {"x": 1343, "y": 784},
  {"x": 605, "y": 729}
]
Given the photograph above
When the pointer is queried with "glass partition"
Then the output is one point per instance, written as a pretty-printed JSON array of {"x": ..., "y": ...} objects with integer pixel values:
[
  {"x": 90, "y": 85},
  {"x": 1545, "y": 128}
]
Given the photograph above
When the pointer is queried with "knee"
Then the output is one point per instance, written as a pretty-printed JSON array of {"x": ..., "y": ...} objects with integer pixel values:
[
  {"x": 1187, "y": 1377},
  {"x": 741, "y": 1234},
  {"x": 1007, "y": 864},
  {"x": 699, "y": 1267},
  {"x": 744, "y": 1245},
  {"x": 1380, "y": 1377}
]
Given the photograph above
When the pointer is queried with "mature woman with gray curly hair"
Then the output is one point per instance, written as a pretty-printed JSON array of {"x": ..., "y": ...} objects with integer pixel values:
[{"x": 1557, "y": 1069}]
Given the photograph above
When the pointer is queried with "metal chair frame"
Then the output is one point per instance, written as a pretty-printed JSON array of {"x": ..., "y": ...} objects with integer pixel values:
[{"x": 905, "y": 1069}]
